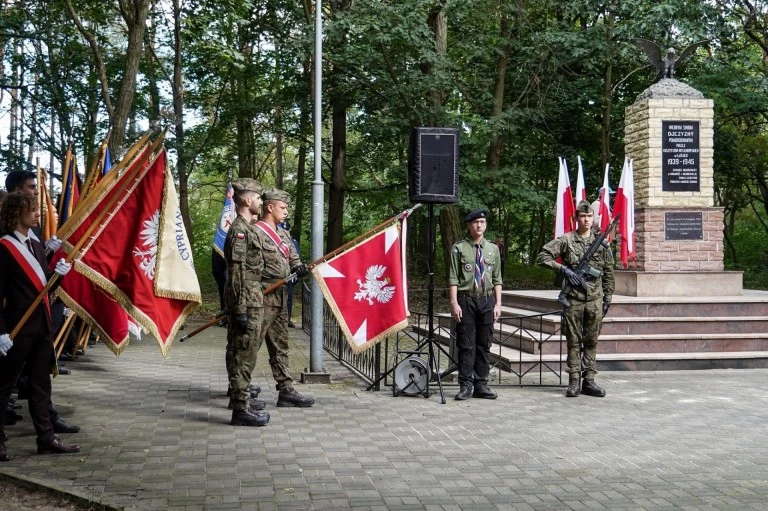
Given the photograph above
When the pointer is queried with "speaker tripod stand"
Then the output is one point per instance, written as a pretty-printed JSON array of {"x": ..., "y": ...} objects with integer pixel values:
[{"x": 413, "y": 375}]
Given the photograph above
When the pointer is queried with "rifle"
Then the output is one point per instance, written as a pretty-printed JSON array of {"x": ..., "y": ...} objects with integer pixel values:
[{"x": 583, "y": 269}]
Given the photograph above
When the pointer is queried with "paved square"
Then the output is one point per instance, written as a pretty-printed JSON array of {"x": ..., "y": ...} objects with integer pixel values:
[{"x": 156, "y": 435}]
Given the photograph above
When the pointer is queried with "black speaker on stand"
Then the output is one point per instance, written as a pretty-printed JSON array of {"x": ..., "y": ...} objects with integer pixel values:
[{"x": 433, "y": 165}]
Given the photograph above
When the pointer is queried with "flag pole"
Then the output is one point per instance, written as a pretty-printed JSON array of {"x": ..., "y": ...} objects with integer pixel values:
[
  {"x": 324, "y": 258},
  {"x": 65, "y": 177},
  {"x": 90, "y": 179},
  {"x": 131, "y": 175},
  {"x": 103, "y": 185}
]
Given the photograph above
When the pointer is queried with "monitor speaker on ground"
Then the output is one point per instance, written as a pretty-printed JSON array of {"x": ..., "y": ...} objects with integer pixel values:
[{"x": 433, "y": 165}]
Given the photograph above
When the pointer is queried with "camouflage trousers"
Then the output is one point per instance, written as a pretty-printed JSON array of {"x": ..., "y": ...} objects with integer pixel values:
[
  {"x": 583, "y": 321},
  {"x": 274, "y": 330},
  {"x": 242, "y": 349}
]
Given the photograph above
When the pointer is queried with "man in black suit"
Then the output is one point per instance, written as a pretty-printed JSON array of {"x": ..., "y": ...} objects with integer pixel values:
[{"x": 25, "y": 274}]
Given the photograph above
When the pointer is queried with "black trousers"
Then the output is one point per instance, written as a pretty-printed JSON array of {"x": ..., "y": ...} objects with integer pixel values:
[
  {"x": 35, "y": 352},
  {"x": 473, "y": 338}
]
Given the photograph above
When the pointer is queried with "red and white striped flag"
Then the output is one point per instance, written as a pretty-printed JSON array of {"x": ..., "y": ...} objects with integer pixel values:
[
  {"x": 604, "y": 209},
  {"x": 565, "y": 208},
  {"x": 625, "y": 205},
  {"x": 581, "y": 190}
]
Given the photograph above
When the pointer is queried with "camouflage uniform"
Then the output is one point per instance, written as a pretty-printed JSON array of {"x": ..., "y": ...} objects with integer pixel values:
[
  {"x": 584, "y": 318},
  {"x": 242, "y": 295},
  {"x": 276, "y": 267}
]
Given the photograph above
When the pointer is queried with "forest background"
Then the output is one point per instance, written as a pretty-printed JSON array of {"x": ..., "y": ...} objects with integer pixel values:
[{"x": 525, "y": 81}]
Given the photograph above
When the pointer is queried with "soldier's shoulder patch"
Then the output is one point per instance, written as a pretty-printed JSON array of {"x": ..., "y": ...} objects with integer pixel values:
[{"x": 240, "y": 235}]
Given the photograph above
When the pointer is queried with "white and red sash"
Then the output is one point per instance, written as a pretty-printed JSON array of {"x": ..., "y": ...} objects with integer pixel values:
[
  {"x": 269, "y": 231},
  {"x": 29, "y": 264}
]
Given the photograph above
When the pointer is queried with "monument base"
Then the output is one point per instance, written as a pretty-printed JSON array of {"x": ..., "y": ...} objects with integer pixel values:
[{"x": 679, "y": 283}]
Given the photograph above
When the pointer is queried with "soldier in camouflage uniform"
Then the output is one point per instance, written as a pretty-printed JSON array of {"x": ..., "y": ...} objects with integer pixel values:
[
  {"x": 474, "y": 281},
  {"x": 590, "y": 299},
  {"x": 279, "y": 260},
  {"x": 244, "y": 302}
]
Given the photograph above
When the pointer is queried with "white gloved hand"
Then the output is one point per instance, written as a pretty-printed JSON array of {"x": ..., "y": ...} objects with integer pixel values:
[
  {"x": 62, "y": 267},
  {"x": 5, "y": 344},
  {"x": 53, "y": 244}
]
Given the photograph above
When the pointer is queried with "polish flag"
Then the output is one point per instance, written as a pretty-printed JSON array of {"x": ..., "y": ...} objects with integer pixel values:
[
  {"x": 625, "y": 206},
  {"x": 565, "y": 206},
  {"x": 604, "y": 209},
  {"x": 581, "y": 190}
]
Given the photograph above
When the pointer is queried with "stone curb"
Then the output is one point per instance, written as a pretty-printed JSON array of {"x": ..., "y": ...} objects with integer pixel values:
[{"x": 37, "y": 484}]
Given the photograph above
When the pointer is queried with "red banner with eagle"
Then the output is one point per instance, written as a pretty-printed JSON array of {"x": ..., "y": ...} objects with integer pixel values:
[{"x": 366, "y": 287}]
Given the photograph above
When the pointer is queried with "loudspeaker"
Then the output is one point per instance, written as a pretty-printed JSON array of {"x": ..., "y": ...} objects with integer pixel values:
[{"x": 433, "y": 165}]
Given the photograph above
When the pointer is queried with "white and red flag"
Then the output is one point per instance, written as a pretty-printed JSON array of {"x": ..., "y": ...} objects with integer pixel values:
[
  {"x": 565, "y": 207},
  {"x": 604, "y": 208},
  {"x": 624, "y": 204},
  {"x": 581, "y": 189},
  {"x": 140, "y": 254},
  {"x": 366, "y": 287}
]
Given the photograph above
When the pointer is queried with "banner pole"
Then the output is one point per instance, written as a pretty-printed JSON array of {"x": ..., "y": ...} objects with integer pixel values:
[{"x": 329, "y": 255}]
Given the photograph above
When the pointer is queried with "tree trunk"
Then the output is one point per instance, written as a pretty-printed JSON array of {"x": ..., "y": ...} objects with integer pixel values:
[
  {"x": 495, "y": 147},
  {"x": 301, "y": 167},
  {"x": 279, "y": 171},
  {"x": 134, "y": 13},
  {"x": 178, "y": 115},
  {"x": 605, "y": 135},
  {"x": 337, "y": 188}
]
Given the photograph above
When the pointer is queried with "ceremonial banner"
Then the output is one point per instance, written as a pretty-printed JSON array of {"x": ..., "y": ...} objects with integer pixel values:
[
  {"x": 140, "y": 254},
  {"x": 624, "y": 204},
  {"x": 97, "y": 308},
  {"x": 366, "y": 287},
  {"x": 565, "y": 207},
  {"x": 226, "y": 219},
  {"x": 70, "y": 192}
]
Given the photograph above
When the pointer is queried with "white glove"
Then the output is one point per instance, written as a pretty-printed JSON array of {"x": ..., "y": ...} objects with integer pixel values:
[
  {"x": 53, "y": 244},
  {"x": 5, "y": 344},
  {"x": 62, "y": 267}
]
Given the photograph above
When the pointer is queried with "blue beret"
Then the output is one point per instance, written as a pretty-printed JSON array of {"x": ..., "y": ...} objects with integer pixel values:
[{"x": 475, "y": 214}]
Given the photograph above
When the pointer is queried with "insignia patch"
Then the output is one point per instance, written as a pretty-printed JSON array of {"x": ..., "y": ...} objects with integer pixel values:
[
  {"x": 240, "y": 236},
  {"x": 468, "y": 267}
]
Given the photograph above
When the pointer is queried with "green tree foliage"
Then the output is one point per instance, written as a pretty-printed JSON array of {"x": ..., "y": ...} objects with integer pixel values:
[{"x": 524, "y": 81}]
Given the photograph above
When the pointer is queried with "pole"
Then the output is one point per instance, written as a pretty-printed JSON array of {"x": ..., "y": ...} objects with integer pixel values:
[{"x": 318, "y": 201}]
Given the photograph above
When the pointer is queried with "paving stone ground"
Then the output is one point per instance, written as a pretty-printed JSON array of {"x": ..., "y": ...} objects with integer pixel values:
[{"x": 156, "y": 435}]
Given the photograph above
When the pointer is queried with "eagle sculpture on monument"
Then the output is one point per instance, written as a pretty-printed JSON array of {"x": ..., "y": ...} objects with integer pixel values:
[{"x": 666, "y": 62}]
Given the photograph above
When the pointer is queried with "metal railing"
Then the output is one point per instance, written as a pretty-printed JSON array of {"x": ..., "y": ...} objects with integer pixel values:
[
  {"x": 530, "y": 366},
  {"x": 365, "y": 365}
]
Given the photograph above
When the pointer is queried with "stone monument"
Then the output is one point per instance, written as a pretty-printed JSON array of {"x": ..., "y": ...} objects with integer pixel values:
[{"x": 678, "y": 230}]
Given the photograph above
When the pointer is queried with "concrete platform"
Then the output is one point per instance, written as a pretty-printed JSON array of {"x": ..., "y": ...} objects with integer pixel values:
[{"x": 679, "y": 283}]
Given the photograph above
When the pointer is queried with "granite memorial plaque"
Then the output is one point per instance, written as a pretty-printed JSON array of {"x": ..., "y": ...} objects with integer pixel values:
[{"x": 683, "y": 225}]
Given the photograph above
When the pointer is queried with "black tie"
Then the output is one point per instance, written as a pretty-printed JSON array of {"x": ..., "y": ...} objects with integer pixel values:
[{"x": 30, "y": 247}]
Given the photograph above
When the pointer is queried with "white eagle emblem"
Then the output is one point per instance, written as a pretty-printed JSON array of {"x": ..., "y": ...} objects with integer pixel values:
[
  {"x": 375, "y": 288},
  {"x": 147, "y": 254}
]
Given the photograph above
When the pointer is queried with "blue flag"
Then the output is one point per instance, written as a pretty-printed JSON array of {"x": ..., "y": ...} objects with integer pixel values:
[
  {"x": 227, "y": 217},
  {"x": 107, "y": 162}
]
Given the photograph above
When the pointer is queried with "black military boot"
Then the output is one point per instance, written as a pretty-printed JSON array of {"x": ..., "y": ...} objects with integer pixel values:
[
  {"x": 483, "y": 392},
  {"x": 573, "y": 386},
  {"x": 590, "y": 388},
  {"x": 464, "y": 392},
  {"x": 289, "y": 397},
  {"x": 253, "y": 404},
  {"x": 254, "y": 390},
  {"x": 249, "y": 417}
]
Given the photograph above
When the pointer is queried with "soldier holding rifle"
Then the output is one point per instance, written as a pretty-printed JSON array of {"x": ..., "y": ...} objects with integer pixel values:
[{"x": 589, "y": 297}]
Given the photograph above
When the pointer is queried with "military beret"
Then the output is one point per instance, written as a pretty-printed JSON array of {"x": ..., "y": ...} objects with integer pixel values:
[
  {"x": 246, "y": 183},
  {"x": 275, "y": 194},
  {"x": 475, "y": 214},
  {"x": 583, "y": 207}
]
